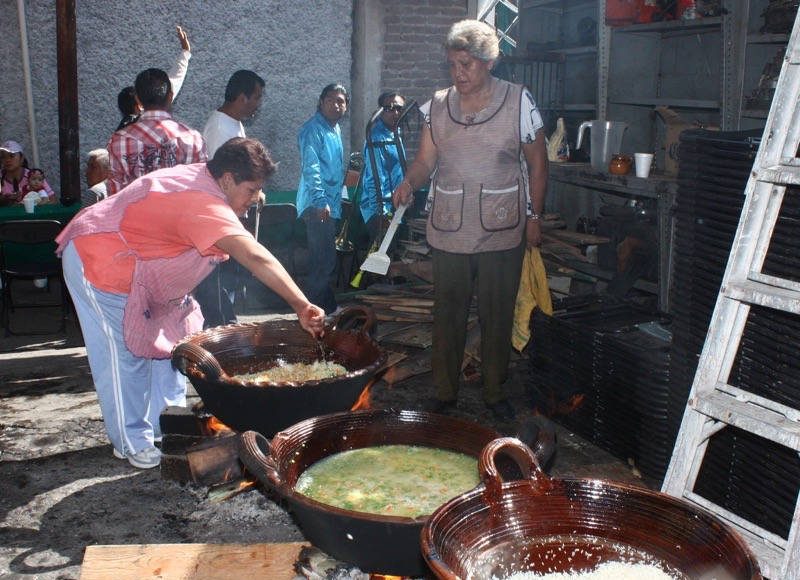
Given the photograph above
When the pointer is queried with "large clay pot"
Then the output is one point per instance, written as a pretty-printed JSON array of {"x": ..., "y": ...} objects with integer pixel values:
[
  {"x": 213, "y": 357},
  {"x": 375, "y": 543},
  {"x": 543, "y": 525}
]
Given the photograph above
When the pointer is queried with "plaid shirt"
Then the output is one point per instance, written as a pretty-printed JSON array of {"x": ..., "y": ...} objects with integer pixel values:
[{"x": 155, "y": 141}]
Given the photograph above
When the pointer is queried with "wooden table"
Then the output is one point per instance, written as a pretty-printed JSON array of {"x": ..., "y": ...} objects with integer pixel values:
[{"x": 191, "y": 561}]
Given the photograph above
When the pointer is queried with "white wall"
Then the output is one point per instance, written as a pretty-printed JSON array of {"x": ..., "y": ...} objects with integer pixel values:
[{"x": 298, "y": 47}]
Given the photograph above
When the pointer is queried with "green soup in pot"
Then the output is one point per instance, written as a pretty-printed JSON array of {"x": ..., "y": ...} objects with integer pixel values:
[{"x": 390, "y": 480}]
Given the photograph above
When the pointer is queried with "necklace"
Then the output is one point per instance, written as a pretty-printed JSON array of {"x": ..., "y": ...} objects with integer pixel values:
[{"x": 469, "y": 118}]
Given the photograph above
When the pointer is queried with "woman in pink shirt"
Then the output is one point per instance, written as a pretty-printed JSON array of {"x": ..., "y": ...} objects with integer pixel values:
[
  {"x": 131, "y": 261},
  {"x": 14, "y": 174}
]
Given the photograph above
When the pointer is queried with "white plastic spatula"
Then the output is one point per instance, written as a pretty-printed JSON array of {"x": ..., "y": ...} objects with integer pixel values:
[{"x": 378, "y": 262}]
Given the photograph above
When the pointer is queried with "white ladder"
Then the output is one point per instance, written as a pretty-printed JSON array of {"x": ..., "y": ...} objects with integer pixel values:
[{"x": 713, "y": 403}]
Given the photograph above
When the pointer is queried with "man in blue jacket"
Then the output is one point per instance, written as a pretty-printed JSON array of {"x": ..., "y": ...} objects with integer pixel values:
[
  {"x": 319, "y": 194},
  {"x": 382, "y": 156}
]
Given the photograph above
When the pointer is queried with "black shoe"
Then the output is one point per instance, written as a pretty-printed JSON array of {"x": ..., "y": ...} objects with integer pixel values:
[
  {"x": 435, "y": 405},
  {"x": 502, "y": 411}
]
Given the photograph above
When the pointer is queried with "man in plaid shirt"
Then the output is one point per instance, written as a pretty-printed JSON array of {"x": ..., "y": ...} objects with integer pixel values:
[{"x": 156, "y": 140}]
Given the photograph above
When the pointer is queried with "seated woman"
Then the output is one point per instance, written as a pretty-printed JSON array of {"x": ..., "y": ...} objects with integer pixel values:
[{"x": 15, "y": 175}]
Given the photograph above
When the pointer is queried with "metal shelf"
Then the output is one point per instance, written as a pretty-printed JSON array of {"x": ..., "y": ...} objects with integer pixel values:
[
  {"x": 579, "y": 106},
  {"x": 767, "y": 38},
  {"x": 661, "y": 188},
  {"x": 666, "y": 101},
  {"x": 581, "y": 174},
  {"x": 755, "y": 113},
  {"x": 576, "y": 50},
  {"x": 698, "y": 25}
]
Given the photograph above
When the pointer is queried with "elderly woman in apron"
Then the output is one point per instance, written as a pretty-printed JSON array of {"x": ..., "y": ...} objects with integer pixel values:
[{"x": 484, "y": 148}]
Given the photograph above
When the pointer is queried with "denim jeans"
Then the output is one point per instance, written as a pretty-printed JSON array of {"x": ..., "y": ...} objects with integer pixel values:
[{"x": 321, "y": 278}]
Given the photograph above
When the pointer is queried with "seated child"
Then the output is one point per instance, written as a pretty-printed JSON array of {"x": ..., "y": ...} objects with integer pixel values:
[{"x": 37, "y": 184}]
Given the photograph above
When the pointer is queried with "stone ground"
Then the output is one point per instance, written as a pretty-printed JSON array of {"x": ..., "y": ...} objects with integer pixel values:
[{"x": 61, "y": 489}]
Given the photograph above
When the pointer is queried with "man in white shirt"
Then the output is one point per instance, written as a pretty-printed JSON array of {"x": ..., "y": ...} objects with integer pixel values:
[
  {"x": 217, "y": 293},
  {"x": 242, "y": 99}
]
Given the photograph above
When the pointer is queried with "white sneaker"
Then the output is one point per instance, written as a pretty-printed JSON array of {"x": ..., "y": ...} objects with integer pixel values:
[
  {"x": 118, "y": 454},
  {"x": 147, "y": 458}
]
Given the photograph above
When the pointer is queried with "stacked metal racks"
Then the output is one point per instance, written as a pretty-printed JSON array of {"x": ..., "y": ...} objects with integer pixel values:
[
  {"x": 598, "y": 369},
  {"x": 739, "y": 467}
]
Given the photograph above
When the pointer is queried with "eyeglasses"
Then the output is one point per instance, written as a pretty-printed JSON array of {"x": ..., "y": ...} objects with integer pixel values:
[{"x": 393, "y": 108}]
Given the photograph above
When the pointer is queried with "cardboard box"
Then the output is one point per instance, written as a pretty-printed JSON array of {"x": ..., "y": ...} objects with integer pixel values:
[{"x": 674, "y": 125}]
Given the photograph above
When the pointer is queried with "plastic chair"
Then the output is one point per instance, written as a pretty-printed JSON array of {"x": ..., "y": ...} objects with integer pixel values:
[{"x": 26, "y": 253}]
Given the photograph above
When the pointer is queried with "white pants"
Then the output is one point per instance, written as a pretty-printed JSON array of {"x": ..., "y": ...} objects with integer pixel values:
[{"x": 132, "y": 391}]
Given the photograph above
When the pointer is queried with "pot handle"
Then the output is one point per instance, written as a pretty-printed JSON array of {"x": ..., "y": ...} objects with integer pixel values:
[
  {"x": 522, "y": 456},
  {"x": 256, "y": 454},
  {"x": 350, "y": 317},
  {"x": 188, "y": 354}
]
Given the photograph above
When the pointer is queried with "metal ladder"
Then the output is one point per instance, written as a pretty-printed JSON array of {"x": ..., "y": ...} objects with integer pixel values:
[{"x": 713, "y": 403}]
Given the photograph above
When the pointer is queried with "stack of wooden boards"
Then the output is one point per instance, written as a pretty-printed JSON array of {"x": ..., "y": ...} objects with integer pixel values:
[{"x": 405, "y": 321}]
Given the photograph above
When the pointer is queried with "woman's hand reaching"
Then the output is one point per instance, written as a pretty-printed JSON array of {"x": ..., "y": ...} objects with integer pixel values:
[{"x": 312, "y": 319}]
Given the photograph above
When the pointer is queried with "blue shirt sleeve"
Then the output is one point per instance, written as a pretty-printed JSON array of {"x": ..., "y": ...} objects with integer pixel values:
[{"x": 311, "y": 168}]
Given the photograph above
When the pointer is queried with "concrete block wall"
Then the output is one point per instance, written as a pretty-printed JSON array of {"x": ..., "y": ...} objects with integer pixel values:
[
  {"x": 298, "y": 47},
  {"x": 413, "y": 53},
  {"x": 414, "y": 58}
]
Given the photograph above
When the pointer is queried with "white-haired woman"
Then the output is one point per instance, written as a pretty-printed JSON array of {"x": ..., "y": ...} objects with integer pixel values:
[{"x": 478, "y": 131}]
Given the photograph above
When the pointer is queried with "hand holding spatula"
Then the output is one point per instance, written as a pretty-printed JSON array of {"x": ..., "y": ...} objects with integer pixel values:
[{"x": 378, "y": 262}]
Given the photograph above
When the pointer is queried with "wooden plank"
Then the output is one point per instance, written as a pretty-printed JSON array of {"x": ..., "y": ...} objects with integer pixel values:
[
  {"x": 577, "y": 237},
  {"x": 417, "y": 336},
  {"x": 411, "y": 367},
  {"x": 191, "y": 561},
  {"x": 559, "y": 249},
  {"x": 389, "y": 299}
]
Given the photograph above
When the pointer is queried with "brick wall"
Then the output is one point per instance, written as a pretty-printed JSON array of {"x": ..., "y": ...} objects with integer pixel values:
[{"x": 413, "y": 57}]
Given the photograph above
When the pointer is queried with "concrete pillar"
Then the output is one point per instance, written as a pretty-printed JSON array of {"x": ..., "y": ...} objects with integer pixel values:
[{"x": 368, "y": 41}]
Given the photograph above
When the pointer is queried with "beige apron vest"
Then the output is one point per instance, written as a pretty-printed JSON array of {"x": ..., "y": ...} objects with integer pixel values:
[{"x": 479, "y": 199}]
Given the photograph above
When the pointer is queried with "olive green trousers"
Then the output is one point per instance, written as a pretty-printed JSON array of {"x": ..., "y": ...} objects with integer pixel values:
[{"x": 494, "y": 278}]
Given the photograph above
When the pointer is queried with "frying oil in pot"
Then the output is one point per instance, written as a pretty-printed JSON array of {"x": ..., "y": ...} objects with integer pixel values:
[
  {"x": 568, "y": 557},
  {"x": 396, "y": 480},
  {"x": 605, "y": 571}
]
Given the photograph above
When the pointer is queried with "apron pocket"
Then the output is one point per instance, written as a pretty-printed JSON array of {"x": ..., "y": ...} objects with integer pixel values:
[
  {"x": 500, "y": 208},
  {"x": 447, "y": 209}
]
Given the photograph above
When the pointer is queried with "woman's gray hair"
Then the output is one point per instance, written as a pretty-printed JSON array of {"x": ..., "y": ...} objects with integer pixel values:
[{"x": 475, "y": 37}]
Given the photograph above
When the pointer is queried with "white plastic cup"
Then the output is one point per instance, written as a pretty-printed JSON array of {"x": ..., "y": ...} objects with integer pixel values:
[
  {"x": 29, "y": 203},
  {"x": 643, "y": 161}
]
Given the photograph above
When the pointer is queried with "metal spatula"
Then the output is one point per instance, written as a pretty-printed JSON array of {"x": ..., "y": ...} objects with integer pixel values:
[{"x": 378, "y": 262}]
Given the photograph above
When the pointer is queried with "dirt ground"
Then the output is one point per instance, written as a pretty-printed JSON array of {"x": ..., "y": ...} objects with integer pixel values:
[{"x": 61, "y": 489}]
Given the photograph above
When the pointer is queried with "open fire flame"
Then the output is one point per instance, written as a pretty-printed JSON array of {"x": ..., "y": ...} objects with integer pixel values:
[
  {"x": 213, "y": 427},
  {"x": 364, "y": 402},
  {"x": 553, "y": 408}
]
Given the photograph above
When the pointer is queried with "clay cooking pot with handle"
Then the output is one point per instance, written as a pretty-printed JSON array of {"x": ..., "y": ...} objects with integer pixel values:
[
  {"x": 211, "y": 359},
  {"x": 375, "y": 543},
  {"x": 543, "y": 525}
]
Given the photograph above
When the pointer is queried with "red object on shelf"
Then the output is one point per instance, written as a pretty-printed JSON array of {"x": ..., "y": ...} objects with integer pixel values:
[
  {"x": 620, "y": 12},
  {"x": 646, "y": 10},
  {"x": 686, "y": 10}
]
